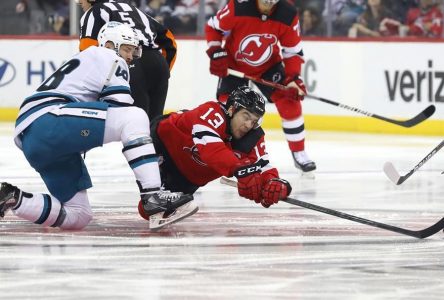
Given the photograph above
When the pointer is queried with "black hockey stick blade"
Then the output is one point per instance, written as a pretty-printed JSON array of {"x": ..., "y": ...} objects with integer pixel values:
[
  {"x": 422, "y": 116},
  {"x": 393, "y": 174},
  {"x": 420, "y": 234}
]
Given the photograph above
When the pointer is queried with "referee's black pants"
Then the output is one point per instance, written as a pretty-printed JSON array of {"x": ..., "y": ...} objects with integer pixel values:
[{"x": 149, "y": 82}]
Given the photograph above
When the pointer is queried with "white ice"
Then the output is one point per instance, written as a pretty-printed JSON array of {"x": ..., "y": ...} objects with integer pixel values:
[{"x": 233, "y": 248}]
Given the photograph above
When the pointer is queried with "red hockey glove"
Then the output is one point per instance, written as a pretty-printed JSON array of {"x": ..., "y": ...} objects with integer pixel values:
[
  {"x": 288, "y": 94},
  {"x": 218, "y": 61},
  {"x": 301, "y": 87},
  {"x": 249, "y": 181},
  {"x": 296, "y": 90},
  {"x": 274, "y": 190}
]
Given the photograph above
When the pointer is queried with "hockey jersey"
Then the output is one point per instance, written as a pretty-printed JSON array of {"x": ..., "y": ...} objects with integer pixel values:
[
  {"x": 252, "y": 39},
  {"x": 96, "y": 74},
  {"x": 202, "y": 148}
]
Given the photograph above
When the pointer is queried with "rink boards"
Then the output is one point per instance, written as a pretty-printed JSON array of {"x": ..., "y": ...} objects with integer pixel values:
[{"x": 388, "y": 79}]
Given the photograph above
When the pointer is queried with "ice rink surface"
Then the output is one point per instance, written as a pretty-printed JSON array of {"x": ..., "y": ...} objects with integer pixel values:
[{"x": 232, "y": 248}]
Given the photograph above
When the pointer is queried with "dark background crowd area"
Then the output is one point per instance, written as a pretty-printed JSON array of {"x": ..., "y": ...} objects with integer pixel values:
[{"x": 318, "y": 18}]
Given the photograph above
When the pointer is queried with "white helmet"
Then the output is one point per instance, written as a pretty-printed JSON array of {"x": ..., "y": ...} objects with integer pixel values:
[{"x": 119, "y": 34}]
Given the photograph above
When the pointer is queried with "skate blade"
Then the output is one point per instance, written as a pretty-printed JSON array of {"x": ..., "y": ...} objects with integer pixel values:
[
  {"x": 308, "y": 175},
  {"x": 157, "y": 221}
]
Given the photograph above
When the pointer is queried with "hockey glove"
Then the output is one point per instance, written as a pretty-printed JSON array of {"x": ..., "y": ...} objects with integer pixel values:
[
  {"x": 295, "y": 90},
  {"x": 274, "y": 190},
  {"x": 249, "y": 181},
  {"x": 218, "y": 61},
  {"x": 301, "y": 87}
]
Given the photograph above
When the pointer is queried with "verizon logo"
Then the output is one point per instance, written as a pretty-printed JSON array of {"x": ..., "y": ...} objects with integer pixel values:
[{"x": 425, "y": 85}]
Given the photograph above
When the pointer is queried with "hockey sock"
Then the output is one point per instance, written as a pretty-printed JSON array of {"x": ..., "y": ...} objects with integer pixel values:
[
  {"x": 294, "y": 133},
  {"x": 130, "y": 125},
  {"x": 39, "y": 208},
  {"x": 143, "y": 160}
]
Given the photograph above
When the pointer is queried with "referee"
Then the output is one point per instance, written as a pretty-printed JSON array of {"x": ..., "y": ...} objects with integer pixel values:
[{"x": 150, "y": 74}]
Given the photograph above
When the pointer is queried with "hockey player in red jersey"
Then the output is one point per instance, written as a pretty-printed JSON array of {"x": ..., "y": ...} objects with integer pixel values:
[
  {"x": 254, "y": 31},
  {"x": 214, "y": 140}
]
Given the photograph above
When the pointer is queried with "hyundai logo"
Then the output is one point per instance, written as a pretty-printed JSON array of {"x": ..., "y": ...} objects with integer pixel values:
[{"x": 7, "y": 72}]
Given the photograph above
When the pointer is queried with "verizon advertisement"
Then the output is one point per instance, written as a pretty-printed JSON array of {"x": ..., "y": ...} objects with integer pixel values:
[{"x": 397, "y": 79}]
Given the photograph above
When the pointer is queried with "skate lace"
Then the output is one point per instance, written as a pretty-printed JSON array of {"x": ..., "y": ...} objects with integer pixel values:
[{"x": 168, "y": 195}]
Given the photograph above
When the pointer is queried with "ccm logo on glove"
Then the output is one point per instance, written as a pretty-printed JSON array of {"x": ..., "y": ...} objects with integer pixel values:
[
  {"x": 218, "y": 61},
  {"x": 248, "y": 170},
  {"x": 219, "y": 54}
]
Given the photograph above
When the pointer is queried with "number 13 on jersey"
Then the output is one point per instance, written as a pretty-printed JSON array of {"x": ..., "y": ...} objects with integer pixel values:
[{"x": 215, "y": 120}]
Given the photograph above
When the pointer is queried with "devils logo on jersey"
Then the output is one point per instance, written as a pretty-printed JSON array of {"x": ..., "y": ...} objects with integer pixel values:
[
  {"x": 256, "y": 49},
  {"x": 195, "y": 155}
]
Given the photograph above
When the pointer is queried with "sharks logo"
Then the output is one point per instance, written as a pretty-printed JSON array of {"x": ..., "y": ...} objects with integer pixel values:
[{"x": 7, "y": 72}]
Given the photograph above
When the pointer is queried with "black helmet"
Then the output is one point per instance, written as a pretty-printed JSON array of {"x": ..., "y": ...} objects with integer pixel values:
[{"x": 245, "y": 97}]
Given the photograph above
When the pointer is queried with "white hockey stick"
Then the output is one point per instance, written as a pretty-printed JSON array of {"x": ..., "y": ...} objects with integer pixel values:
[
  {"x": 111, "y": 72},
  {"x": 393, "y": 174}
]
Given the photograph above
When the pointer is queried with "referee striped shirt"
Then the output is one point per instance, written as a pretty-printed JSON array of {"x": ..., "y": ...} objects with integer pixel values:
[{"x": 152, "y": 34}]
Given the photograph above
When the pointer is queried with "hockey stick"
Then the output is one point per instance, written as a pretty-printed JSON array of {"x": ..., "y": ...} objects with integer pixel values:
[
  {"x": 258, "y": 80},
  {"x": 393, "y": 175},
  {"x": 111, "y": 72},
  {"x": 420, "y": 234},
  {"x": 422, "y": 116}
]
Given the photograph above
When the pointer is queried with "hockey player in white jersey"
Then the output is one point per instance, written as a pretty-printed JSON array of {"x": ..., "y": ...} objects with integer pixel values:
[{"x": 84, "y": 104}]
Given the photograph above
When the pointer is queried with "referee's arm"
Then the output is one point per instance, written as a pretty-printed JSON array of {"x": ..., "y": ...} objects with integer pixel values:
[
  {"x": 89, "y": 30},
  {"x": 166, "y": 41},
  {"x": 87, "y": 42}
]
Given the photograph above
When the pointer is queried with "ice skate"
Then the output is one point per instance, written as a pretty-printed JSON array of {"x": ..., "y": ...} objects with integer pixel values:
[
  {"x": 304, "y": 163},
  {"x": 163, "y": 207},
  {"x": 9, "y": 197}
]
